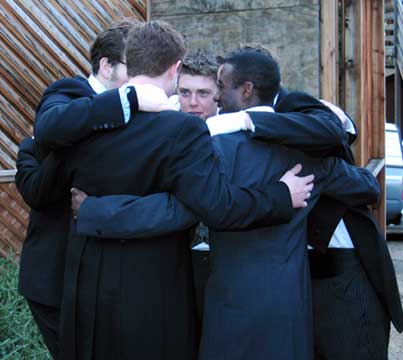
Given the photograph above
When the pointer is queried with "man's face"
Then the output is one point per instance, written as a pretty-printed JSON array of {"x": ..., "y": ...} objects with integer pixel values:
[
  {"x": 229, "y": 97},
  {"x": 196, "y": 95},
  {"x": 118, "y": 76}
]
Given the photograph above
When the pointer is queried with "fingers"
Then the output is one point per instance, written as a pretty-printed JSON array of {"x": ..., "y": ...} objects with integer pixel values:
[
  {"x": 308, "y": 178},
  {"x": 296, "y": 169},
  {"x": 309, "y": 187},
  {"x": 77, "y": 192}
]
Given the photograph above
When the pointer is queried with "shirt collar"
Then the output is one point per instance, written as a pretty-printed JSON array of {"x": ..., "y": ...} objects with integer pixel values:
[
  {"x": 275, "y": 99},
  {"x": 96, "y": 85}
]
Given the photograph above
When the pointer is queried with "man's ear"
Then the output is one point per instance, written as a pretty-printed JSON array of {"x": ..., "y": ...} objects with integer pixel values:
[
  {"x": 247, "y": 90},
  {"x": 174, "y": 69},
  {"x": 105, "y": 68}
]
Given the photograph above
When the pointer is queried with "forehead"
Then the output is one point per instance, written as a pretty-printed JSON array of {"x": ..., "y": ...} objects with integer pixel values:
[
  {"x": 194, "y": 82},
  {"x": 225, "y": 73}
]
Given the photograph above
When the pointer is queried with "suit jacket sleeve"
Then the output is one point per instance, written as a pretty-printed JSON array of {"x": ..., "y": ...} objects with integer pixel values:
[
  {"x": 194, "y": 174},
  {"x": 65, "y": 117},
  {"x": 39, "y": 183},
  {"x": 129, "y": 216},
  {"x": 350, "y": 185},
  {"x": 303, "y": 122}
]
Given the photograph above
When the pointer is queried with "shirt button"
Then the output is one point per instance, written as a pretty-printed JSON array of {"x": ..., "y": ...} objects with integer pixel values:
[{"x": 106, "y": 126}]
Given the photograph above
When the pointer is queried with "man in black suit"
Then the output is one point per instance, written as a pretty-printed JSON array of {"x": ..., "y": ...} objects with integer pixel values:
[
  {"x": 40, "y": 182},
  {"x": 140, "y": 289},
  {"x": 365, "y": 258},
  {"x": 229, "y": 253},
  {"x": 355, "y": 293}
]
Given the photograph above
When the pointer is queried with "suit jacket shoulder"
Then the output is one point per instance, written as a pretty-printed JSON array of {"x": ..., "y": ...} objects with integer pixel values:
[
  {"x": 74, "y": 87},
  {"x": 70, "y": 111}
]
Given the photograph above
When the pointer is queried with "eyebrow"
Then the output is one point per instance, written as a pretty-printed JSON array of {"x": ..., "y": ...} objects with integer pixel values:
[{"x": 202, "y": 89}]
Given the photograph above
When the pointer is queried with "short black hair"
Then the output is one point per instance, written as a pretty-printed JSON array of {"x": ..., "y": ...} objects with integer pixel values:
[
  {"x": 258, "y": 67},
  {"x": 111, "y": 44}
]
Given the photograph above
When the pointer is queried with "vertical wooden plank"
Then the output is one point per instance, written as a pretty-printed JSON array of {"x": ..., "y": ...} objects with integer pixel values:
[
  {"x": 329, "y": 51},
  {"x": 378, "y": 99},
  {"x": 364, "y": 83},
  {"x": 351, "y": 62}
]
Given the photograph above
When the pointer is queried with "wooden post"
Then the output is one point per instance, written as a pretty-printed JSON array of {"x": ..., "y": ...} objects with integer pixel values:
[
  {"x": 378, "y": 99},
  {"x": 365, "y": 83},
  {"x": 329, "y": 51}
]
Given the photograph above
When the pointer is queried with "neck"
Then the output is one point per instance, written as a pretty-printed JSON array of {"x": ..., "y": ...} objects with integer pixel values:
[
  {"x": 103, "y": 81},
  {"x": 144, "y": 79},
  {"x": 252, "y": 102}
]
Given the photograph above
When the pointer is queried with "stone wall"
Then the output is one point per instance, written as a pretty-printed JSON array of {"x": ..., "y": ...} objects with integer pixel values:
[{"x": 290, "y": 29}]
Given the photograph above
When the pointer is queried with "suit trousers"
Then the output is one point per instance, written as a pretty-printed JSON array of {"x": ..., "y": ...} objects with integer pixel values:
[
  {"x": 47, "y": 318},
  {"x": 349, "y": 320},
  {"x": 201, "y": 271}
]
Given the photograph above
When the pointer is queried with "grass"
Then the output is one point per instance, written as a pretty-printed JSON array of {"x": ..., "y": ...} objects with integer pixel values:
[{"x": 19, "y": 336}]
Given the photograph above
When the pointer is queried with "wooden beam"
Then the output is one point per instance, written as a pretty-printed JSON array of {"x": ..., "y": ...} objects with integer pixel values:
[
  {"x": 329, "y": 51},
  {"x": 377, "y": 99},
  {"x": 351, "y": 61},
  {"x": 365, "y": 83},
  {"x": 7, "y": 176}
]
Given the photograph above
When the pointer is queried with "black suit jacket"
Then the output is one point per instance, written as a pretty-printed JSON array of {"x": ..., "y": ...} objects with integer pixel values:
[
  {"x": 70, "y": 111},
  {"x": 369, "y": 242},
  {"x": 158, "y": 152},
  {"x": 74, "y": 112},
  {"x": 259, "y": 284},
  {"x": 43, "y": 251}
]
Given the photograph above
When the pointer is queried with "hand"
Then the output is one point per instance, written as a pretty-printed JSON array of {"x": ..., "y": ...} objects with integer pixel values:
[
  {"x": 300, "y": 186},
  {"x": 77, "y": 198},
  {"x": 151, "y": 98},
  {"x": 344, "y": 119},
  {"x": 227, "y": 123}
]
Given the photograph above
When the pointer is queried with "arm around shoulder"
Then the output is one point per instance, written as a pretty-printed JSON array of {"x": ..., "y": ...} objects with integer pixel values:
[{"x": 195, "y": 175}]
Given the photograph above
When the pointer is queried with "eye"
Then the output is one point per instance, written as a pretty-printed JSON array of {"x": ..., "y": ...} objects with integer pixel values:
[
  {"x": 184, "y": 92},
  {"x": 204, "y": 93}
]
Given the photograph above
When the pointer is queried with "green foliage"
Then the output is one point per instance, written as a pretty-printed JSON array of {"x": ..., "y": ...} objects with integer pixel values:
[{"x": 19, "y": 336}]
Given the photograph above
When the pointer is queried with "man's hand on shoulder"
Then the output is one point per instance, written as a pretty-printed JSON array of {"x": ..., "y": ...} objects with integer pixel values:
[
  {"x": 228, "y": 123},
  {"x": 151, "y": 98},
  {"x": 344, "y": 119},
  {"x": 300, "y": 186}
]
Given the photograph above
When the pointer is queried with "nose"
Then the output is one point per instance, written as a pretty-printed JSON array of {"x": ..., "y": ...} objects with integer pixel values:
[{"x": 193, "y": 100}]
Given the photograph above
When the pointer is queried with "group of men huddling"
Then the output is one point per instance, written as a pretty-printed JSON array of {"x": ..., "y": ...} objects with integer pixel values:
[{"x": 125, "y": 192}]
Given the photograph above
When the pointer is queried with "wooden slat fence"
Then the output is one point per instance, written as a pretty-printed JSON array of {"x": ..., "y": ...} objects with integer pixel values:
[{"x": 40, "y": 42}]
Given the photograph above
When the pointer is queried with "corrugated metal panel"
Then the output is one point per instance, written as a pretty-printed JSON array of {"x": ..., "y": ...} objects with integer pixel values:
[{"x": 40, "y": 42}]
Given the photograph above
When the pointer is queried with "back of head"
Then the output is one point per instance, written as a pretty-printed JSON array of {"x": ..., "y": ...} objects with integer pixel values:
[
  {"x": 255, "y": 64},
  {"x": 111, "y": 43},
  {"x": 200, "y": 62},
  {"x": 152, "y": 48}
]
